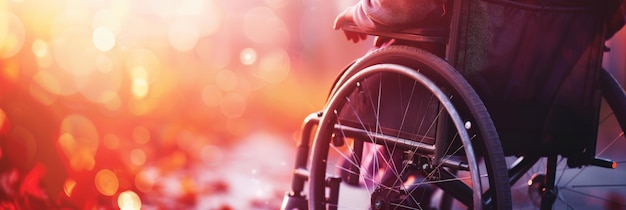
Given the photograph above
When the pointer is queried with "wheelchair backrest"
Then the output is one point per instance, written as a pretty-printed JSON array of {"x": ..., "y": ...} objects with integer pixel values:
[{"x": 535, "y": 65}]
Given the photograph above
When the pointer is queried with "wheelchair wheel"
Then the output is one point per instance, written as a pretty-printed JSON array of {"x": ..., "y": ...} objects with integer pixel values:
[
  {"x": 589, "y": 186},
  {"x": 404, "y": 130}
]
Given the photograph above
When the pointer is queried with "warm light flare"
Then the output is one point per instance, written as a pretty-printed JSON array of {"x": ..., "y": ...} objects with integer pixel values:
[
  {"x": 145, "y": 179},
  {"x": 273, "y": 67},
  {"x": 40, "y": 48},
  {"x": 226, "y": 80},
  {"x": 140, "y": 88},
  {"x": 137, "y": 157},
  {"x": 248, "y": 56},
  {"x": 3, "y": 119},
  {"x": 129, "y": 200},
  {"x": 79, "y": 141},
  {"x": 111, "y": 141},
  {"x": 12, "y": 34},
  {"x": 233, "y": 105},
  {"x": 68, "y": 187},
  {"x": 141, "y": 135},
  {"x": 103, "y": 39},
  {"x": 211, "y": 96},
  {"x": 110, "y": 100},
  {"x": 108, "y": 20},
  {"x": 107, "y": 182},
  {"x": 261, "y": 25},
  {"x": 183, "y": 35}
]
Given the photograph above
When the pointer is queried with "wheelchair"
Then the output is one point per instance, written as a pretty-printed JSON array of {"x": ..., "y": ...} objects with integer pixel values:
[{"x": 504, "y": 106}]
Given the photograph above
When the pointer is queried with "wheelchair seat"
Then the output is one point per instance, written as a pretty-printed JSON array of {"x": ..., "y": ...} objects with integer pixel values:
[{"x": 436, "y": 34}]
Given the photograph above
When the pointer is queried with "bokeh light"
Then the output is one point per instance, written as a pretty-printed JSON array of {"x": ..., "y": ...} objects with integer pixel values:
[
  {"x": 129, "y": 200},
  {"x": 248, "y": 56},
  {"x": 146, "y": 179},
  {"x": 68, "y": 187},
  {"x": 183, "y": 35},
  {"x": 12, "y": 34},
  {"x": 3, "y": 119},
  {"x": 134, "y": 103},
  {"x": 137, "y": 157},
  {"x": 226, "y": 80},
  {"x": 261, "y": 25},
  {"x": 79, "y": 141},
  {"x": 111, "y": 141},
  {"x": 274, "y": 66},
  {"x": 107, "y": 19},
  {"x": 141, "y": 135},
  {"x": 103, "y": 39},
  {"x": 106, "y": 182}
]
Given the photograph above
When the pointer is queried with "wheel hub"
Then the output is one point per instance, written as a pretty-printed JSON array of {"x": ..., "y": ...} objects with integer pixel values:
[{"x": 380, "y": 200}]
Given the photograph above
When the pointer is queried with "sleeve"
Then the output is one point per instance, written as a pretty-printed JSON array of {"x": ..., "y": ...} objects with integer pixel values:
[{"x": 393, "y": 14}]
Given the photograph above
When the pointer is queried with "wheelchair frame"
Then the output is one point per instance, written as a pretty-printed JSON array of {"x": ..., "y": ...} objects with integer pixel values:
[{"x": 296, "y": 198}]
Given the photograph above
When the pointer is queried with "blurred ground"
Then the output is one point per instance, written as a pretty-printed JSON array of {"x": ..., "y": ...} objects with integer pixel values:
[{"x": 162, "y": 104}]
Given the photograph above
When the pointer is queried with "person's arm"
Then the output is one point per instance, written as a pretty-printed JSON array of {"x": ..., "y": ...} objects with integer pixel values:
[{"x": 387, "y": 15}]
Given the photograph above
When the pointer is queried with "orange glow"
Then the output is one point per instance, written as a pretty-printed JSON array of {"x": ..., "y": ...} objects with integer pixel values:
[
  {"x": 140, "y": 88},
  {"x": 107, "y": 19},
  {"x": 103, "y": 39},
  {"x": 129, "y": 200},
  {"x": 79, "y": 141},
  {"x": 226, "y": 80},
  {"x": 145, "y": 179},
  {"x": 68, "y": 187},
  {"x": 106, "y": 182},
  {"x": 261, "y": 25},
  {"x": 12, "y": 34},
  {"x": 183, "y": 35},
  {"x": 40, "y": 48},
  {"x": 10, "y": 70},
  {"x": 141, "y": 135},
  {"x": 273, "y": 66},
  {"x": 110, "y": 100},
  {"x": 233, "y": 105},
  {"x": 143, "y": 64},
  {"x": 111, "y": 141},
  {"x": 44, "y": 88},
  {"x": 104, "y": 64},
  {"x": 247, "y": 56},
  {"x": 82, "y": 160},
  {"x": 137, "y": 157},
  {"x": 211, "y": 96},
  {"x": 3, "y": 119}
]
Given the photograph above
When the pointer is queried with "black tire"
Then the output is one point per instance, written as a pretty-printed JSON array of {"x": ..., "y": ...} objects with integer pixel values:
[{"x": 391, "y": 68}]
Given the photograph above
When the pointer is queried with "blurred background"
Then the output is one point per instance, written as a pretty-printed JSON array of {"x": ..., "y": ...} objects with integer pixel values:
[{"x": 163, "y": 104}]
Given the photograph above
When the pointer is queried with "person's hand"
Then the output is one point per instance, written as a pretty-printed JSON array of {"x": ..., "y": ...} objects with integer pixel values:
[{"x": 346, "y": 18}]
